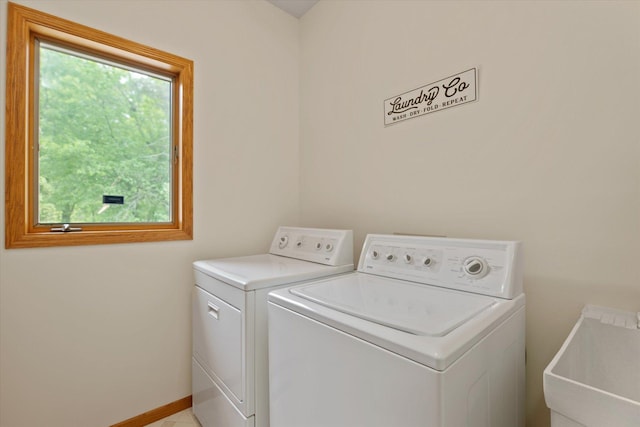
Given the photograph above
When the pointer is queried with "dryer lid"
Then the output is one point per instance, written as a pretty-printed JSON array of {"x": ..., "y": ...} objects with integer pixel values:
[
  {"x": 410, "y": 307},
  {"x": 265, "y": 270}
]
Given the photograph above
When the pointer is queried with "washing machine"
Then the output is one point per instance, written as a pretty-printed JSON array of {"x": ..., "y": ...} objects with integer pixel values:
[
  {"x": 229, "y": 363},
  {"x": 427, "y": 332}
]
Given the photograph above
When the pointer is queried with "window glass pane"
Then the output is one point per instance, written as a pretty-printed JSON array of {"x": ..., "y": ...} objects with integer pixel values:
[{"x": 103, "y": 130}]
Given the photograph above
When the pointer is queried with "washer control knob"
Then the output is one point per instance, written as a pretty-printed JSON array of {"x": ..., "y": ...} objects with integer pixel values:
[
  {"x": 427, "y": 262},
  {"x": 299, "y": 244},
  {"x": 318, "y": 246},
  {"x": 475, "y": 267},
  {"x": 391, "y": 257},
  {"x": 408, "y": 259},
  {"x": 328, "y": 247},
  {"x": 282, "y": 243},
  {"x": 375, "y": 254}
]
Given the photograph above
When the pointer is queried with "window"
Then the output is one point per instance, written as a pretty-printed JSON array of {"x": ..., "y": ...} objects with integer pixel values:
[{"x": 98, "y": 137}]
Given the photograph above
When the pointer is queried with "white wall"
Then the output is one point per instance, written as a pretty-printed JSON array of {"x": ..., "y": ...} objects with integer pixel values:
[
  {"x": 549, "y": 154},
  {"x": 90, "y": 336}
]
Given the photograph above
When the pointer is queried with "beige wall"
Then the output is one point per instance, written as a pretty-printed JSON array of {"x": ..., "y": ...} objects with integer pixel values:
[
  {"x": 90, "y": 336},
  {"x": 549, "y": 154}
]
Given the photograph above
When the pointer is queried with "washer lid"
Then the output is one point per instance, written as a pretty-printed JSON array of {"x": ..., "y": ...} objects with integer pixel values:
[
  {"x": 463, "y": 322},
  {"x": 402, "y": 305},
  {"x": 260, "y": 271}
]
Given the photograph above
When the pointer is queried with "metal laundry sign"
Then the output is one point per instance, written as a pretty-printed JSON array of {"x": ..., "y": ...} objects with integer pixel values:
[{"x": 458, "y": 89}]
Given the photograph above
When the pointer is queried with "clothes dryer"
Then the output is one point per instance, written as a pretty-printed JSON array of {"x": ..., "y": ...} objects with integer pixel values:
[
  {"x": 229, "y": 363},
  {"x": 429, "y": 332}
]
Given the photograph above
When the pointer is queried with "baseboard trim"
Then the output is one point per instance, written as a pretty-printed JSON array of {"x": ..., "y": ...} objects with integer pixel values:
[{"x": 156, "y": 414}]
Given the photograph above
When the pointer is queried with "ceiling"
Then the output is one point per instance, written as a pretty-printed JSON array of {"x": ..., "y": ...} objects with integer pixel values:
[{"x": 296, "y": 8}]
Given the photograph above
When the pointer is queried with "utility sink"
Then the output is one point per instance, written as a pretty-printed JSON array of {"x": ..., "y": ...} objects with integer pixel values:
[{"x": 594, "y": 380}]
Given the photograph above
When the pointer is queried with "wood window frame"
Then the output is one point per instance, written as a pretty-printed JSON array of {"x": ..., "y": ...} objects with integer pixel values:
[{"x": 21, "y": 230}]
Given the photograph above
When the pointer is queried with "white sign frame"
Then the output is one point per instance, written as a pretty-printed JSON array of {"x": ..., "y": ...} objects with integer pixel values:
[{"x": 451, "y": 91}]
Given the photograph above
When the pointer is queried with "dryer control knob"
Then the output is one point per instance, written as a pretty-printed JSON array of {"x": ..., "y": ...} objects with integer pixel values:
[
  {"x": 391, "y": 257},
  {"x": 475, "y": 267},
  {"x": 427, "y": 262},
  {"x": 318, "y": 246},
  {"x": 375, "y": 254},
  {"x": 284, "y": 240},
  {"x": 408, "y": 259},
  {"x": 328, "y": 247}
]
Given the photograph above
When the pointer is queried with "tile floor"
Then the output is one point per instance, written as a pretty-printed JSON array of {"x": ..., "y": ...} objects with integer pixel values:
[{"x": 181, "y": 419}]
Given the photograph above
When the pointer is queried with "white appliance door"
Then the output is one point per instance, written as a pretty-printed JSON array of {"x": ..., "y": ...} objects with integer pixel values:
[
  {"x": 320, "y": 377},
  {"x": 218, "y": 343}
]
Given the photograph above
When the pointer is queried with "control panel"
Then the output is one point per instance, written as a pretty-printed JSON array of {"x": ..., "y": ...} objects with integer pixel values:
[
  {"x": 324, "y": 246},
  {"x": 486, "y": 267}
]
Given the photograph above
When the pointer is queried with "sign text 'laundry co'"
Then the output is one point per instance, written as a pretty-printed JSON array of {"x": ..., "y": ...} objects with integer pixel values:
[{"x": 454, "y": 90}]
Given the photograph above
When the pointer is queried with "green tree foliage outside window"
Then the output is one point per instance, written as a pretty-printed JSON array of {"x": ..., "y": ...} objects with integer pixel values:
[{"x": 102, "y": 130}]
